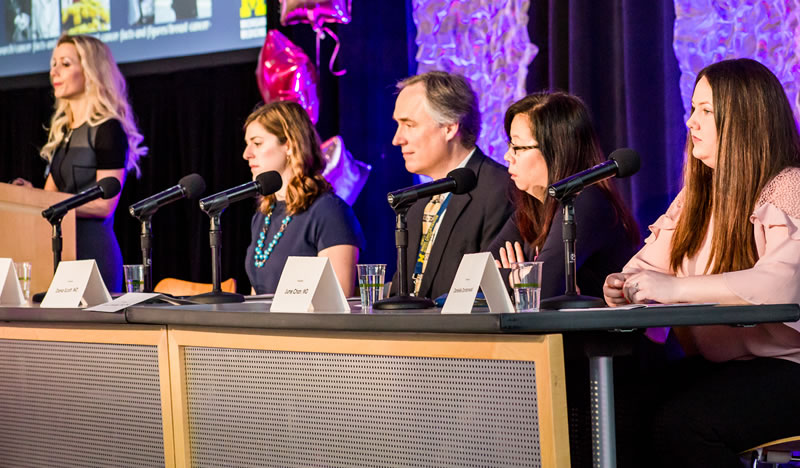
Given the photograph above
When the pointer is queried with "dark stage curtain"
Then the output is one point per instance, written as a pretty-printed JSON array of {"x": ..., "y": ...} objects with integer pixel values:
[{"x": 616, "y": 54}]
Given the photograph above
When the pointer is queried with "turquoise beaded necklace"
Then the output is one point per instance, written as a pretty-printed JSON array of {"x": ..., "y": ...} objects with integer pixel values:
[{"x": 262, "y": 255}]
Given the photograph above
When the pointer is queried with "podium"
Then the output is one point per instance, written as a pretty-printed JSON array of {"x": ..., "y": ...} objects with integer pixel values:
[{"x": 25, "y": 235}]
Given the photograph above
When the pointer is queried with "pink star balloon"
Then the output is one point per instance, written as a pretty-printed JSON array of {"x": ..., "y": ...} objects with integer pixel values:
[{"x": 285, "y": 73}]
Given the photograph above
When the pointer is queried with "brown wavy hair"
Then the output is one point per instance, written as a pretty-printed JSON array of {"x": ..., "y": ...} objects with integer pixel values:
[
  {"x": 756, "y": 139},
  {"x": 290, "y": 123},
  {"x": 563, "y": 128}
]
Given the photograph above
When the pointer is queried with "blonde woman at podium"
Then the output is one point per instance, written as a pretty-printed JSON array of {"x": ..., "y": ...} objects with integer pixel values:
[
  {"x": 731, "y": 236},
  {"x": 92, "y": 135}
]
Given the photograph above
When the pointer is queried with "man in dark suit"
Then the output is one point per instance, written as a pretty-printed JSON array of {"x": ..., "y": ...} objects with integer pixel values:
[{"x": 438, "y": 123}]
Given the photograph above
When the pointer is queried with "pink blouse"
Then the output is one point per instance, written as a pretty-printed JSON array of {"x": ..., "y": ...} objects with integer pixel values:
[{"x": 774, "y": 279}]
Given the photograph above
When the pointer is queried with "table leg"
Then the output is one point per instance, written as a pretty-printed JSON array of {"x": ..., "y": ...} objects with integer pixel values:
[{"x": 604, "y": 439}]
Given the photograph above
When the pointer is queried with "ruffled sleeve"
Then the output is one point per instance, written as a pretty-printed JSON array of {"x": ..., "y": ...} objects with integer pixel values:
[
  {"x": 775, "y": 278},
  {"x": 655, "y": 253}
]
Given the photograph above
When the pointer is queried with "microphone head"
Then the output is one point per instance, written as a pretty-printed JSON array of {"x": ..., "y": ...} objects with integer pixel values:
[
  {"x": 269, "y": 182},
  {"x": 627, "y": 161},
  {"x": 193, "y": 185},
  {"x": 464, "y": 178},
  {"x": 109, "y": 186}
]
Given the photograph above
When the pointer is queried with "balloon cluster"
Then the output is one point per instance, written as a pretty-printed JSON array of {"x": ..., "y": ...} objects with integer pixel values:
[{"x": 285, "y": 73}]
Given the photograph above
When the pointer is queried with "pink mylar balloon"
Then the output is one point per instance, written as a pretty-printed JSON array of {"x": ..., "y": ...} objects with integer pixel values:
[
  {"x": 346, "y": 174},
  {"x": 285, "y": 73},
  {"x": 315, "y": 12}
]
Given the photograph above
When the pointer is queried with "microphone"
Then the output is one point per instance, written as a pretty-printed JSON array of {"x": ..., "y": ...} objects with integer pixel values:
[
  {"x": 190, "y": 186},
  {"x": 265, "y": 184},
  {"x": 458, "y": 181},
  {"x": 106, "y": 188},
  {"x": 623, "y": 162}
]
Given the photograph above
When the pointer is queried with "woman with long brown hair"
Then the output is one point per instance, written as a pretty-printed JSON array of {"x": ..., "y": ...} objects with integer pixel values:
[
  {"x": 305, "y": 217},
  {"x": 731, "y": 236},
  {"x": 551, "y": 137}
]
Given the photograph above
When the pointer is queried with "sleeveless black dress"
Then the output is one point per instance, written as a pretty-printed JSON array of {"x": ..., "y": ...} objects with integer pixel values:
[{"x": 74, "y": 169}]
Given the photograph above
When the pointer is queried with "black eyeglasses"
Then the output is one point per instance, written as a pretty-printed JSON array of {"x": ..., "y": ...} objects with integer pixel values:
[{"x": 516, "y": 149}]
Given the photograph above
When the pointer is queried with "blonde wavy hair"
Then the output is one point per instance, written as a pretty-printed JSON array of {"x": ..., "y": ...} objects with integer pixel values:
[
  {"x": 108, "y": 99},
  {"x": 290, "y": 123}
]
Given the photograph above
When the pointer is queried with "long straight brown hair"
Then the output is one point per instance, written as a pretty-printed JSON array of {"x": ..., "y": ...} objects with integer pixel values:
[
  {"x": 756, "y": 139},
  {"x": 563, "y": 128}
]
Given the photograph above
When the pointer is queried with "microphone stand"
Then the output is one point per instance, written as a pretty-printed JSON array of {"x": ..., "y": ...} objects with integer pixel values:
[
  {"x": 403, "y": 300},
  {"x": 570, "y": 299},
  {"x": 57, "y": 245},
  {"x": 146, "y": 241},
  {"x": 216, "y": 296}
]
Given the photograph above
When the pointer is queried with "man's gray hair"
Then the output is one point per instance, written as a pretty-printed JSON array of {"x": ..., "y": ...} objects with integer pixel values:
[{"x": 450, "y": 99}]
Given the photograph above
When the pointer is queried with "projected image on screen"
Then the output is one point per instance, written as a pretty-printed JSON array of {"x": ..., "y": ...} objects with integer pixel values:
[
  {"x": 85, "y": 16},
  {"x": 135, "y": 30},
  {"x": 158, "y": 12},
  {"x": 18, "y": 20},
  {"x": 45, "y": 20}
]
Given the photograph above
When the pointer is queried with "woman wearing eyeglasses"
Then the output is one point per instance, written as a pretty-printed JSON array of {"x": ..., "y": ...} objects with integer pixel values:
[{"x": 551, "y": 137}]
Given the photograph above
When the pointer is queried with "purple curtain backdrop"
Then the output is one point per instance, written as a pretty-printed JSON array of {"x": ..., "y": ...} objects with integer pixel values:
[{"x": 615, "y": 54}]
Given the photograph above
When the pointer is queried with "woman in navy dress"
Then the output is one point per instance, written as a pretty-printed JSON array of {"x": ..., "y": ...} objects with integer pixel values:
[{"x": 305, "y": 217}]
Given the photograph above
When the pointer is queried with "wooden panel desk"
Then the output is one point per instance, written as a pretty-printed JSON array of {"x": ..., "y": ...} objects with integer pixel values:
[
  {"x": 546, "y": 322},
  {"x": 351, "y": 388}
]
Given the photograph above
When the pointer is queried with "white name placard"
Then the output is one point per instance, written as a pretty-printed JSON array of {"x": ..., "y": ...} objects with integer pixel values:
[
  {"x": 477, "y": 270},
  {"x": 123, "y": 302},
  {"x": 10, "y": 289},
  {"x": 309, "y": 284},
  {"x": 77, "y": 283}
]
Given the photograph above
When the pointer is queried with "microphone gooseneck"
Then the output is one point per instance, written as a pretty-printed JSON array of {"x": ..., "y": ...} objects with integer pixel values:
[
  {"x": 623, "y": 162},
  {"x": 458, "y": 181},
  {"x": 105, "y": 188},
  {"x": 265, "y": 184},
  {"x": 190, "y": 186}
]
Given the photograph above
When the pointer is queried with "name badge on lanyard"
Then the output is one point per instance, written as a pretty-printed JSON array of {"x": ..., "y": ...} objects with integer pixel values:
[{"x": 424, "y": 244}]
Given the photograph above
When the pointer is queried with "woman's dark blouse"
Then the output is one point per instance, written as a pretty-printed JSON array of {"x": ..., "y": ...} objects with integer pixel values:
[
  {"x": 329, "y": 221},
  {"x": 74, "y": 169},
  {"x": 602, "y": 245}
]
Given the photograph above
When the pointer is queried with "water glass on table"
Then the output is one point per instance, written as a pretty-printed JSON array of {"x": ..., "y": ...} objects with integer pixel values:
[
  {"x": 370, "y": 283},
  {"x": 527, "y": 280},
  {"x": 134, "y": 278},
  {"x": 23, "y": 270}
]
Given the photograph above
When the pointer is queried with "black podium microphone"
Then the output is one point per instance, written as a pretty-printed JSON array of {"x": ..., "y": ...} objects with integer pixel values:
[
  {"x": 623, "y": 162},
  {"x": 190, "y": 186},
  {"x": 458, "y": 181},
  {"x": 105, "y": 188},
  {"x": 265, "y": 184}
]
